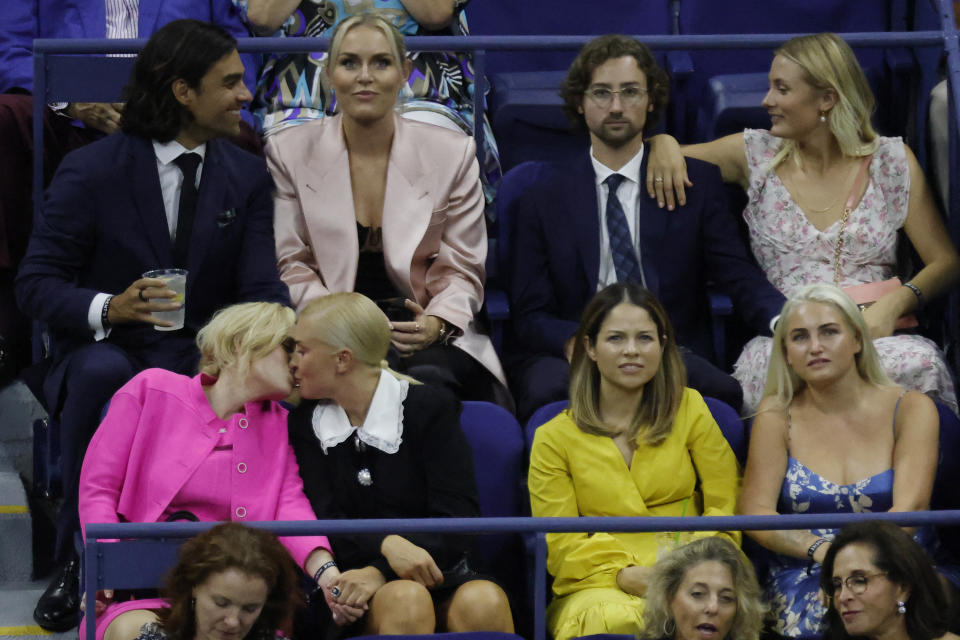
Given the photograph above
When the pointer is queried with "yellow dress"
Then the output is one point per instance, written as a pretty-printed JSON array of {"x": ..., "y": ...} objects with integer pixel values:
[{"x": 572, "y": 473}]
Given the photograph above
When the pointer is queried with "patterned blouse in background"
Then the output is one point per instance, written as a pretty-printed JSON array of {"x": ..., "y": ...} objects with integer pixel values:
[{"x": 294, "y": 89}]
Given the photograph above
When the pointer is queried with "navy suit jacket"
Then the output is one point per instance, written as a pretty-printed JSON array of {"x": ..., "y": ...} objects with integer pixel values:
[
  {"x": 23, "y": 20},
  {"x": 556, "y": 259},
  {"x": 103, "y": 225}
]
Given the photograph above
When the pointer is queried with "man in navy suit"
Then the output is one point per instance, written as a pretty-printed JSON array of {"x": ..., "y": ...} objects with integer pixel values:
[
  {"x": 20, "y": 22},
  {"x": 164, "y": 192},
  {"x": 589, "y": 224}
]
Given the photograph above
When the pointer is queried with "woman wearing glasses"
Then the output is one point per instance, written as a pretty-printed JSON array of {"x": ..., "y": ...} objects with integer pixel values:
[
  {"x": 879, "y": 584},
  {"x": 832, "y": 435},
  {"x": 211, "y": 447}
]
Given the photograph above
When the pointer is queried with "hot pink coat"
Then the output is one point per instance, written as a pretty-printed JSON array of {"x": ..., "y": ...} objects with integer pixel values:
[{"x": 159, "y": 430}]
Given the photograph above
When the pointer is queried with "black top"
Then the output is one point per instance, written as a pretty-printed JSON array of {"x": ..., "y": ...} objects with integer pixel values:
[
  {"x": 431, "y": 475},
  {"x": 372, "y": 279}
]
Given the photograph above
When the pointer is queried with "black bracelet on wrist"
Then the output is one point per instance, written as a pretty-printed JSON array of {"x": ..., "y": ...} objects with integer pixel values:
[
  {"x": 916, "y": 292},
  {"x": 105, "y": 312},
  {"x": 326, "y": 565},
  {"x": 819, "y": 542}
]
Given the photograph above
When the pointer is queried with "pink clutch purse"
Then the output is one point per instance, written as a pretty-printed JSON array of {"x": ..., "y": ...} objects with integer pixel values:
[{"x": 866, "y": 294}]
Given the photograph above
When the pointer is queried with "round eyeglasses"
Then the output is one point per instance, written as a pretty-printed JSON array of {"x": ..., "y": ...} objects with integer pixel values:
[
  {"x": 603, "y": 97},
  {"x": 856, "y": 584}
]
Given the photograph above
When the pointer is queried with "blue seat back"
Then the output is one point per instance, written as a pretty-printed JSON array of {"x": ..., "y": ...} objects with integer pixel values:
[
  {"x": 562, "y": 17},
  {"x": 496, "y": 439},
  {"x": 705, "y": 115},
  {"x": 727, "y": 418}
]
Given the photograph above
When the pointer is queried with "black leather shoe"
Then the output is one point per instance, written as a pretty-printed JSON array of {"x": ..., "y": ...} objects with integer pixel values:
[{"x": 59, "y": 607}]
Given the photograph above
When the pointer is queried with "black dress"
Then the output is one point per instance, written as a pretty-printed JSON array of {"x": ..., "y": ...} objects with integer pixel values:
[{"x": 430, "y": 476}]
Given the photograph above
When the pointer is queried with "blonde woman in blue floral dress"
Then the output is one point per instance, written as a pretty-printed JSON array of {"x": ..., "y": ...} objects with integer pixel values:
[{"x": 833, "y": 435}]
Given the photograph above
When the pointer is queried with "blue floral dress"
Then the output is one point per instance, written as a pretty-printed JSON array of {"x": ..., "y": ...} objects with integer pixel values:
[
  {"x": 293, "y": 87},
  {"x": 792, "y": 590}
]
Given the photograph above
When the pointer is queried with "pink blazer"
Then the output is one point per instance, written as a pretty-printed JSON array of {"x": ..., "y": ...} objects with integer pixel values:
[
  {"x": 434, "y": 236},
  {"x": 158, "y": 431}
]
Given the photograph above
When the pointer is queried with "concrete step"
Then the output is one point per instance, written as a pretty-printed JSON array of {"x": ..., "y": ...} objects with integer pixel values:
[
  {"x": 16, "y": 530},
  {"x": 17, "y": 601}
]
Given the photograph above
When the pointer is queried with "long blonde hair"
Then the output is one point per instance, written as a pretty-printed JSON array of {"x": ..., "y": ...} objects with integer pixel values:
[
  {"x": 350, "y": 320},
  {"x": 829, "y": 64},
  {"x": 783, "y": 383},
  {"x": 241, "y": 333},
  {"x": 661, "y": 396}
]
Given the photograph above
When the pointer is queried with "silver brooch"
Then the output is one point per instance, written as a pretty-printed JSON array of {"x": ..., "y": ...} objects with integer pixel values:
[{"x": 364, "y": 477}]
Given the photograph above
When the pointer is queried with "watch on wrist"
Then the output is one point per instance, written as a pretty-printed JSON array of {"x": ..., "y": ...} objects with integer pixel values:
[
  {"x": 105, "y": 313},
  {"x": 59, "y": 108}
]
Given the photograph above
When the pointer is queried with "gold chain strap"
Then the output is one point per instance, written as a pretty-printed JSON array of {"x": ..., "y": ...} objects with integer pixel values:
[
  {"x": 851, "y": 200},
  {"x": 839, "y": 248}
]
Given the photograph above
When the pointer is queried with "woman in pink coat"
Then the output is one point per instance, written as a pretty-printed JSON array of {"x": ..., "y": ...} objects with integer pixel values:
[
  {"x": 213, "y": 447},
  {"x": 370, "y": 202}
]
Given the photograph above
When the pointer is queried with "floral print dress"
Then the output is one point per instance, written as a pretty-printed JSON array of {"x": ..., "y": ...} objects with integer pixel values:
[
  {"x": 794, "y": 253},
  {"x": 293, "y": 87},
  {"x": 791, "y": 584}
]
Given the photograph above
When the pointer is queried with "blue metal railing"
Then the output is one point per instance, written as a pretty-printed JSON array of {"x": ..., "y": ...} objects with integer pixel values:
[{"x": 95, "y": 547}]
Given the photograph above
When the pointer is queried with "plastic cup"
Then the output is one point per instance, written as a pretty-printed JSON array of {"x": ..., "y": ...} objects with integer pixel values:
[{"x": 175, "y": 279}]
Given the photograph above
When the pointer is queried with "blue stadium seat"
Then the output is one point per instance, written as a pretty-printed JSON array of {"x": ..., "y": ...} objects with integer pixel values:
[
  {"x": 727, "y": 418},
  {"x": 729, "y": 103},
  {"x": 945, "y": 494},
  {"x": 499, "y": 462}
]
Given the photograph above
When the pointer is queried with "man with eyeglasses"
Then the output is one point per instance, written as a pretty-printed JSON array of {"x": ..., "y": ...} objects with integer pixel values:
[{"x": 588, "y": 224}]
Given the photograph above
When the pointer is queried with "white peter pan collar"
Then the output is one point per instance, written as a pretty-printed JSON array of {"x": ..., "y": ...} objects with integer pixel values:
[{"x": 383, "y": 426}]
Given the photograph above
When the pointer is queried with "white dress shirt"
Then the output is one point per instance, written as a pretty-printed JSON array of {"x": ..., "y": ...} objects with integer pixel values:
[
  {"x": 171, "y": 178},
  {"x": 629, "y": 195}
]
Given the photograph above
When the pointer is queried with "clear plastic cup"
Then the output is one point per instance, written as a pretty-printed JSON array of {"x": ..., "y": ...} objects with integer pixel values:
[{"x": 175, "y": 279}]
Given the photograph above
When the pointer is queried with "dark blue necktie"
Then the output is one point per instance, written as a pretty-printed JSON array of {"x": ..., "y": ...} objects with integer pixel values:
[
  {"x": 188, "y": 163},
  {"x": 621, "y": 244}
]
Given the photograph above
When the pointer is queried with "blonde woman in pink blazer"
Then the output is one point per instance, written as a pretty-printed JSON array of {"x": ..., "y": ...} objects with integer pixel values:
[
  {"x": 370, "y": 202},
  {"x": 212, "y": 447}
]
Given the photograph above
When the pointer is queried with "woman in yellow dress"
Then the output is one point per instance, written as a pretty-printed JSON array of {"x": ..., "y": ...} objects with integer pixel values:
[{"x": 634, "y": 442}]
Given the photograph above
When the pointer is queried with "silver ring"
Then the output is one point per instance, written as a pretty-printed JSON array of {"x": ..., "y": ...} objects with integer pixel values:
[
  {"x": 335, "y": 592},
  {"x": 418, "y": 327},
  {"x": 658, "y": 179},
  {"x": 140, "y": 295}
]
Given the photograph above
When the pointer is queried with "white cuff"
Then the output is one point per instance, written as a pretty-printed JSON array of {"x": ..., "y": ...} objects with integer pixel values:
[{"x": 94, "y": 314}]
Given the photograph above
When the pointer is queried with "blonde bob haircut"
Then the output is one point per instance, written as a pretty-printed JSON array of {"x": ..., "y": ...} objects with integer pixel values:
[
  {"x": 783, "y": 383},
  {"x": 669, "y": 573},
  {"x": 375, "y": 21},
  {"x": 241, "y": 333},
  {"x": 829, "y": 64},
  {"x": 660, "y": 400},
  {"x": 350, "y": 320}
]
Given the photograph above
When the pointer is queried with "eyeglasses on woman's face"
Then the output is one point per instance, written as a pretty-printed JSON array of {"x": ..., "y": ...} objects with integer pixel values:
[
  {"x": 856, "y": 584},
  {"x": 603, "y": 96}
]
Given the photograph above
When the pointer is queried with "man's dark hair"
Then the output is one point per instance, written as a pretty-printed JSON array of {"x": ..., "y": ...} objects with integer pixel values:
[
  {"x": 182, "y": 49},
  {"x": 598, "y": 51}
]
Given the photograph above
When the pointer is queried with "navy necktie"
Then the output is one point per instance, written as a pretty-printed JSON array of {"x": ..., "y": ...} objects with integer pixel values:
[
  {"x": 621, "y": 244},
  {"x": 188, "y": 163}
]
